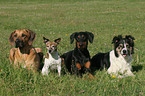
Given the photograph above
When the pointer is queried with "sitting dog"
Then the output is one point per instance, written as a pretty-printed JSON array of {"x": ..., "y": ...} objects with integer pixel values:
[
  {"x": 117, "y": 61},
  {"x": 24, "y": 54},
  {"x": 52, "y": 58},
  {"x": 77, "y": 61}
]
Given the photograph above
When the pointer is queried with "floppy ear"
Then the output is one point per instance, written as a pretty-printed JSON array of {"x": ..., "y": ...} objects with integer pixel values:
[
  {"x": 11, "y": 39},
  {"x": 57, "y": 40},
  {"x": 45, "y": 39},
  {"x": 90, "y": 36},
  {"x": 32, "y": 36},
  {"x": 131, "y": 42},
  {"x": 72, "y": 37},
  {"x": 130, "y": 38},
  {"x": 116, "y": 39}
]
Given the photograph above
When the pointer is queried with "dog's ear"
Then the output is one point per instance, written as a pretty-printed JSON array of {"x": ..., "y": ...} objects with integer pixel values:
[
  {"x": 32, "y": 36},
  {"x": 116, "y": 39},
  {"x": 130, "y": 38},
  {"x": 11, "y": 39},
  {"x": 90, "y": 36},
  {"x": 45, "y": 39},
  {"x": 57, "y": 40},
  {"x": 72, "y": 37},
  {"x": 131, "y": 42}
]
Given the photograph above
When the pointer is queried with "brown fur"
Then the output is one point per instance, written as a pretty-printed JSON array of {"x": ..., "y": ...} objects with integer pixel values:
[{"x": 26, "y": 56}]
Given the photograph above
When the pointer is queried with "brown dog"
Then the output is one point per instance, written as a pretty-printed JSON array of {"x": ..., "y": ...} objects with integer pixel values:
[{"x": 24, "y": 54}]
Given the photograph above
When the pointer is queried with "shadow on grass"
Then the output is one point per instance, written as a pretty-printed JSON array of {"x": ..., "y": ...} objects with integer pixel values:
[{"x": 137, "y": 68}]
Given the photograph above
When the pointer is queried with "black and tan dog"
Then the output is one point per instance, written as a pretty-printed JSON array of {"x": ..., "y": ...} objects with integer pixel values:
[
  {"x": 24, "y": 54},
  {"x": 77, "y": 61}
]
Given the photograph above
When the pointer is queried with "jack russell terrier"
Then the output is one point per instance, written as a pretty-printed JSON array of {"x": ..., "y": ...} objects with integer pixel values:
[{"x": 52, "y": 58}]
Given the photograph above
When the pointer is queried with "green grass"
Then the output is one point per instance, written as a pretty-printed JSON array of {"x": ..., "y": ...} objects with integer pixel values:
[{"x": 60, "y": 18}]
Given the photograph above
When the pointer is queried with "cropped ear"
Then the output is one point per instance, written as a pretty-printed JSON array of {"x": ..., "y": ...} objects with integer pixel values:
[
  {"x": 57, "y": 40},
  {"x": 116, "y": 39},
  {"x": 45, "y": 39},
  {"x": 11, "y": 39},
  {"x": 72, "y": 37},
  {"x": 90, "y": 36},
  {"x": 32, "y": 36}
]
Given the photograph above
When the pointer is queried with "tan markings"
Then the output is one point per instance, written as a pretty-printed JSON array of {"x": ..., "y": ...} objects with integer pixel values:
[
  {"x": 78, "y": 65},
  {"x": 87, "y": 65},
  {"x": 91, "y": 76},
  {"x": 78, "y": 45},
  {"x": 47, "y": 56}
]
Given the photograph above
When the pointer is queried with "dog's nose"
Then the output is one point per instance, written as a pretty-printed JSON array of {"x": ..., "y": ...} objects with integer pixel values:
[
  {"x": 81, "y": 44},
  {"x": 49, "y": 51},
  {"x": 124, "y": 51},
  {"x": 17, "y": 40}
]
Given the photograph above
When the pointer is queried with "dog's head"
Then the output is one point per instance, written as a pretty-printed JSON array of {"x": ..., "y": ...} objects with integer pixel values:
[
  {"x": 123, "y": 46},
  {"x": 51, "y": 45},
  {"x": 22, "y": 37},
  {"x": 82, "y": 39}
]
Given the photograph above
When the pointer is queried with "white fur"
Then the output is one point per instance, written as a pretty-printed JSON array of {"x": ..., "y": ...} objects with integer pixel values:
[
  {"x": 54, "y": 62},
  {"x": 120, "y": 65}
]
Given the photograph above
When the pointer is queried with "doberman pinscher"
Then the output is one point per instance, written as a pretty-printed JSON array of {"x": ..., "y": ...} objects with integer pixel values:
[{"x": 77, "y": 61}]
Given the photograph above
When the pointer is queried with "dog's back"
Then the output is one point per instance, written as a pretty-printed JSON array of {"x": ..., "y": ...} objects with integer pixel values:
[{"x": 100, "y": 61}]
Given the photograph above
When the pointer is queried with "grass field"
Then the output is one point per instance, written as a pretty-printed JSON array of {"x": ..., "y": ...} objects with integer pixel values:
[{"x": 60, "y": 18}]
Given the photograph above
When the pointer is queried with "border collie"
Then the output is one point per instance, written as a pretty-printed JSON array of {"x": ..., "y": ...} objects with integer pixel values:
[{"x": 118, "y": 61}]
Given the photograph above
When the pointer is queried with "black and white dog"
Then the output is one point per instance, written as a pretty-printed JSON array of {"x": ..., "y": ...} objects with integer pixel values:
[{"x": 118, "y": 61}]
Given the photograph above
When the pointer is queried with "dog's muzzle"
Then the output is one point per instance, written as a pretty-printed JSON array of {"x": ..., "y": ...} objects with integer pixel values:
[
  {"x": 81, "y": 45},
  {"x": 124, "y": 52},
  {"x": 19, "y": 43}
]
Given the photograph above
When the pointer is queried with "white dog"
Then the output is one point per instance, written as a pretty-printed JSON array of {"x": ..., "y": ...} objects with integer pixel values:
[{"x": 52, "y": 58}]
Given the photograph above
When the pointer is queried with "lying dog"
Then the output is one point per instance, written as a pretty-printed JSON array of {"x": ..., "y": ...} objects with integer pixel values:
[
  {"x": 52, "y": 58},
  {"x": 24, "y": 54},
  {"x": 117, "y": 61},
  {"x": 77, "y": 61}
]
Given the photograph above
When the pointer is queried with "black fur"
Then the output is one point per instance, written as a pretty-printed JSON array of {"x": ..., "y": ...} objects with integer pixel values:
[{"x": 78, "y": 55}]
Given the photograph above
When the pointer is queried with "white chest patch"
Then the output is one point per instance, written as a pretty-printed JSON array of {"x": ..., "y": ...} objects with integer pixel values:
[{"x": 120, "y": 65}]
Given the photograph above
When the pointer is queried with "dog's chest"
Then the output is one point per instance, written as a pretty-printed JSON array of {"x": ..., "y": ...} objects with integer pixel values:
[
  {"x": 22, "y": 58},
  {"x": 54, "y": 59},
  {"x": 119, "y": 64}
]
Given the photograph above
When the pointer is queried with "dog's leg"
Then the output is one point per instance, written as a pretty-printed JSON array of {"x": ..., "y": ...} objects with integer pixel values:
[
  {"x": 129, "y": 73},
  {"x": 59, "y": 69},
  {"x": 87, "y": 66},
  {"x": 12, "y": 55},
  {"x": 78, "y": 65},
  {"x": 45, "y": 69}
]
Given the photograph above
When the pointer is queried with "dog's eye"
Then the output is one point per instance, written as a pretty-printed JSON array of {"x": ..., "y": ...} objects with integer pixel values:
[
  {"x": 15, "y": 35},
  {"x": 23, "y": 35},
  {"x": 127, "y": 46},
  {"x": 52, "y": 46},
  {"x": 120, "y": 46},
  {"x": 47, "y": 46}
]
